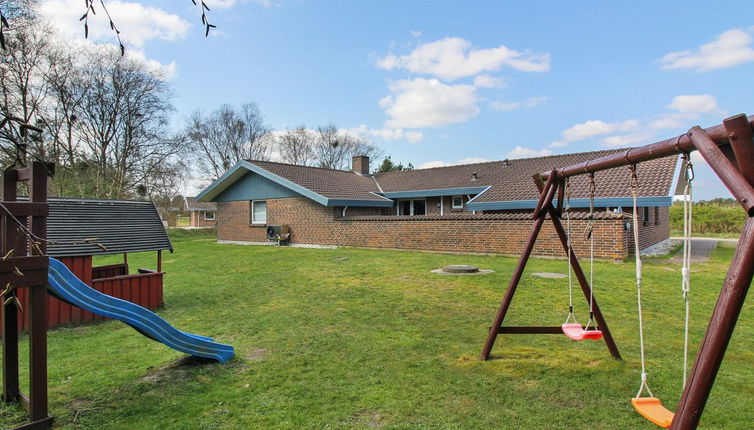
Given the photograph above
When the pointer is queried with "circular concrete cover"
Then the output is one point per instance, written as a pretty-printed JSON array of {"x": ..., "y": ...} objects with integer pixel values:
[{"x": 460, "y": 268}]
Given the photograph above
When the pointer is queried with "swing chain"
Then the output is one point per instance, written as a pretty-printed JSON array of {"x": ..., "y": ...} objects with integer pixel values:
[{"x": 592, "y": 192}]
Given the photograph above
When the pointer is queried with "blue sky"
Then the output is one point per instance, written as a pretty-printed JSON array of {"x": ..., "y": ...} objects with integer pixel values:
[{"x": 438, "y": 82}]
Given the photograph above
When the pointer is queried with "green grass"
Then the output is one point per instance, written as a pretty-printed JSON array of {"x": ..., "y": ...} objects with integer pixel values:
[{"x": 354, "y": 338}]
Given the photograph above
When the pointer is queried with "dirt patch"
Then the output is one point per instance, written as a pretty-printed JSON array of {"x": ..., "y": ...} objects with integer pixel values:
[
  {"x": 372, "y": 420},
  {"x": 256, "y": 354},
  {"x": 176, "y": 370}
]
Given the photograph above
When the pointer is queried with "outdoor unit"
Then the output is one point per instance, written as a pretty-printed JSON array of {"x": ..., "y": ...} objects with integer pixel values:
[{"x": 274, "y": 230}]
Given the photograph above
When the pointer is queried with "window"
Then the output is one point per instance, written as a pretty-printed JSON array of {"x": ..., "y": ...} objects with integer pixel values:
[
  {"x": 411, "y": 207},
  {"x": 645, "y": 216},
  {"x": 457, "y": 203},
  {"x": 209, "y": 216},
  {"x": 258, "y": 212},
  {"x": 657, "y": 215}
]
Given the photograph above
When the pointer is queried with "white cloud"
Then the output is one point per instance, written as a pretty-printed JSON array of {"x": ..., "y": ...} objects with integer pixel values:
[
  {"x": 137, "y": 23},
  {"x": 423, "y": 102},
  {"x": 701, "y": 103},
  {"x": 433, "y": 163},
  {"x": 729, "y": 49},
  {"x": 453, "y": 57},
  {"x": 389, "y": 133},
  {"x": 630, "y": 139},
  {"x": 593, "y": 128},
  {"x": 439, "y": 163},
  {"x": 416, "y": 33},
  {"x": 528, "y": 103},
  {"x": 487, "y": 81},
  {"x": 225, "y": 4},
  {"x": 524, "y": 152}
]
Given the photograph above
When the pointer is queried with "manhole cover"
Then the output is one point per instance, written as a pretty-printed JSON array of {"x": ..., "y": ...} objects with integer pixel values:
[{"x": 460, "y": 268}]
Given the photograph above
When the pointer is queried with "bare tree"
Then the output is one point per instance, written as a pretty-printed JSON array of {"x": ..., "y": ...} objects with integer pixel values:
[
  {"x": 334, "y": 148},
  {"x": 122, "y": 124},
  {"x": 23, "y": 87},
  {"x": 227, "y": 136},
  {"x": 296, "y": 146}
]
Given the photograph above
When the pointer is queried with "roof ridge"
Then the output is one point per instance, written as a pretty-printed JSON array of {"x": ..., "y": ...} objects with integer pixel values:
[
  {"x": 509, "y": 159},
  {"x": 300, "y": 165}
]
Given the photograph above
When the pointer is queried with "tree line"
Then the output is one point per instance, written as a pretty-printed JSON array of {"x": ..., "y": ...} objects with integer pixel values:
[{"x": 105, "y": 121}]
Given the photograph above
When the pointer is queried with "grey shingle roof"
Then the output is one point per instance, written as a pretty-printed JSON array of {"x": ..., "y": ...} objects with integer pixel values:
[
  {"x": 121, "y": 226},
  {"x": 193, "y": 205},
  {"x": 333, "y": 184}
]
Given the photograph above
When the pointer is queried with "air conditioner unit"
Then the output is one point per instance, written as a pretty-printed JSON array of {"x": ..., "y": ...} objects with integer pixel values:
[{"x": 277, "y": 231}]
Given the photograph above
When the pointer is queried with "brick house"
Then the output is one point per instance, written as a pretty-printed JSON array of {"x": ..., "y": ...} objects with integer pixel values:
[
  {"x": 201, "y": 214},
  {"x": 483, "y": 207}
]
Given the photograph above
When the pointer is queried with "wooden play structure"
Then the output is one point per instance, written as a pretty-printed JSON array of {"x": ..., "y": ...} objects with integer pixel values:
[
  {"x": 23, "y": 235},
  {"x": 728, "y": 148}
]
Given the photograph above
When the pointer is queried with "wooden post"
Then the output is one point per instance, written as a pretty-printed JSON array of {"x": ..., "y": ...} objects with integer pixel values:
[
  {"x": 159, "y": 260},
  {"x": 125, "y": 258},
  {"x": 11, "y": 388},
  {"x": 38, "y": 304},
  {"x": 516, "y": 278},
  {"x": 719, "y": 332}
]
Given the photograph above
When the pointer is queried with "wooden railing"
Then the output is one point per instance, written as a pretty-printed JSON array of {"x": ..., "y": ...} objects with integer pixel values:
[
  {"x": 144, "y": 289},
  {"x": 109, "y": 271}
]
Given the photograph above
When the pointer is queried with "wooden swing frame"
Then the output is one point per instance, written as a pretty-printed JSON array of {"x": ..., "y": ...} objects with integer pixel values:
[{"x": 728, "y": 148}]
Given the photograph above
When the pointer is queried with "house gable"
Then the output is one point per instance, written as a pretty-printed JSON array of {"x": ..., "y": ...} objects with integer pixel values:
[{"x": 252, "y": 186}]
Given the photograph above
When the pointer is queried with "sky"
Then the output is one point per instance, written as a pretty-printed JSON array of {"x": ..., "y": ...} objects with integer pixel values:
[{"x": 436, "y": 83}]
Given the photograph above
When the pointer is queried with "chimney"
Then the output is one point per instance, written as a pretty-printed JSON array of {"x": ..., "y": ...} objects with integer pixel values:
[{"x": 360, "y": 164}]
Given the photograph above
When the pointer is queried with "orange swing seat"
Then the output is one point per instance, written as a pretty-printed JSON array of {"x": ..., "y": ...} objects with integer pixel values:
[{"x": 652, "y": 409}]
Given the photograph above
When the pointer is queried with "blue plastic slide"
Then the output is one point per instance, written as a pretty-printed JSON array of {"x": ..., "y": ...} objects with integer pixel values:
[{"x": 67, "y": 287}]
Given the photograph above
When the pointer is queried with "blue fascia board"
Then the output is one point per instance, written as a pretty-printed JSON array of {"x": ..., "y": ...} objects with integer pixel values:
[
  {"x": 286, "y": 183},
  {"x": 232, "y": 175},
  {"x": 213, "y": 187},
  {"x": 433, "y": 193},
  {"x": 612, "y": 202},
  {"x": 360, "y": 203}
]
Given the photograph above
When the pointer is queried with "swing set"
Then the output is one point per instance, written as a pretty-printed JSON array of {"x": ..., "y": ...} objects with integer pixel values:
[{"x": 728, "y": 148}]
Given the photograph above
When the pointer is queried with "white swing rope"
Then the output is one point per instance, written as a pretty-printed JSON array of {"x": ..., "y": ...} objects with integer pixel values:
[
  {"x": 686, "y": 265},
  {"x": 634, "y": 192},
  {"x": 567, "y": 211},
  {"x": 590, "y": 234}
]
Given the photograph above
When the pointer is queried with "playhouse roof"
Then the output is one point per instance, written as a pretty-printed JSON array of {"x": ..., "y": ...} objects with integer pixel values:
[{"x": 119, "y": 225}]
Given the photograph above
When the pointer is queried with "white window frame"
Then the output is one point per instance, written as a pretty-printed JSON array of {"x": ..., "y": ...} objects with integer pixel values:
[
  {"x": 207, "y": 213},
  {"x": 453, "y": 202},
  {"x": 253, "y": 221},
  {"x": 398, "y": 206}
]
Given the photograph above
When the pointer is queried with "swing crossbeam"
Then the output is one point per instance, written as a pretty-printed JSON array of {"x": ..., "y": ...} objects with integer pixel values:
[{"x": 729, "y": 149}]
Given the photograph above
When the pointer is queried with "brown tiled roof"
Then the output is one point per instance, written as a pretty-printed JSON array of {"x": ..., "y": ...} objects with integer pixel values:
[
  {"x": 513, "y": 180},
  {"x": 193, "y": 205},
  {"x": 509, "y": 180},
  {"x": 333, "y": 184}
]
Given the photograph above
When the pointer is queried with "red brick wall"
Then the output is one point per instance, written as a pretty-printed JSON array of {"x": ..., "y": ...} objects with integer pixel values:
[
  {"x": 312, "y": 223},
  {"x": 651, "y": 231},
  {"x": 197, "y": 220}
]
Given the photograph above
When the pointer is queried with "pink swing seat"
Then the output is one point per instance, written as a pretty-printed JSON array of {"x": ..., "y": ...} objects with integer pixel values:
[{"x": 576, "y": 332}]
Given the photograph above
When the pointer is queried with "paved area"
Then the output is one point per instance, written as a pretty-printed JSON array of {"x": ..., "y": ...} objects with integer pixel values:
[{"x": 700, "y": 250}]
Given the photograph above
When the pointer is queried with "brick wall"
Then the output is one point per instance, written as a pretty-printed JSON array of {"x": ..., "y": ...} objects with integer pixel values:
[
  {"x": 197, "y": 220},
  {"x": 654, "y": 229},
  {"x": 312, "y": 223}
]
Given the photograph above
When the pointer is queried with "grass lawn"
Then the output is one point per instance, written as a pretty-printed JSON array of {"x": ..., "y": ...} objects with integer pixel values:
[{"x": 354, "y": 338}]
